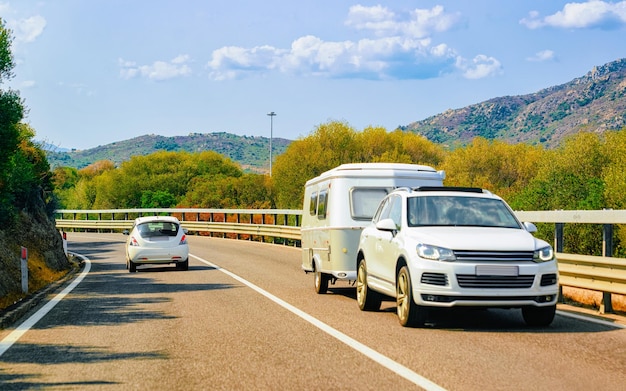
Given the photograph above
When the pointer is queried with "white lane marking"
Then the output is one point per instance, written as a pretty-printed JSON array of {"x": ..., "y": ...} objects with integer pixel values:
[
  {"x": 591, "y": 319},
  {"x": 16, "y": 334},
  {"x": 381, "y": 359}
]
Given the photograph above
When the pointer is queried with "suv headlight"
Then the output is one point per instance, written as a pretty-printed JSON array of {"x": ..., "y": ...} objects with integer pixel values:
[
  {"x": 545, "y": 254},
  {"x": 435, "y": 253}
]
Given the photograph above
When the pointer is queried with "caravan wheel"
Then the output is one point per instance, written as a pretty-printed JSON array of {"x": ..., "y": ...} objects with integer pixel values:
[{"x": 321, "y": 282}]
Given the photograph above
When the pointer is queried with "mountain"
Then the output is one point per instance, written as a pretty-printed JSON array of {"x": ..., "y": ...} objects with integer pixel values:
[
  {"x": 251, "y": 152},
  {"x": 594, "y": 102}
]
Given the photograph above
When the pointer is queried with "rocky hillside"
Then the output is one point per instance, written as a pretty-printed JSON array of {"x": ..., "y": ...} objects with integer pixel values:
[
  {"x": 594, "y": 102},
  {"x": 252, "y": 153},
  {"x": 46, "y": 260}
]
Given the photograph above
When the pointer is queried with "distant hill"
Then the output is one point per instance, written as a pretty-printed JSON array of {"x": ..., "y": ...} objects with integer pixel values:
[
  {"x": 252, "y": 153},
  {"x": 595, "y": 102}
]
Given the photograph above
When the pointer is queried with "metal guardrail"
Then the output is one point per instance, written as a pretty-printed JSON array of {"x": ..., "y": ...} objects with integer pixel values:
[
  {"x": 215, "y": 221},
  {"x": 603, "y": 274},
  {"x": 595, "y": 273}
]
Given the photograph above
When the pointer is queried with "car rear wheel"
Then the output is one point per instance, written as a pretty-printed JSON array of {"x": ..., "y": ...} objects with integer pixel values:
[
  {"x": 132, "y": 267},
  {"x": 321, "y": 281},
  {"x": 539, "y": 316},
  {"x": 183, "y": 265},
  {"x": 367, "y": 299},
  {"x": 409, "y": 313}
]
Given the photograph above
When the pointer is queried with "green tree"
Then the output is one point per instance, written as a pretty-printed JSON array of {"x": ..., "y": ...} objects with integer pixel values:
[
  {"x": 375, "y": 144},
  {"x": 11, "y": 113},
  {"x": 502, "y": 168},
  {"x": 328, "y": 146},
  {"x": 615, "y": 182},
  {"x": 336, "y": 143},
  {"x": 29, "y": 176},
  {"x": 25, "y": 179},
  {"x": 76, "y": 189},
  {"x": 168, "y": 172},
  {"x": 157, "y": 199},
  {"x": 570, "y": 178},
  {"x": 613, "y": 173}
]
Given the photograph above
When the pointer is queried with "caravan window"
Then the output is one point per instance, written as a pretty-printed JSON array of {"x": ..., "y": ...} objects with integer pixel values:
[
  {"x": 364, "y": 201},
  {"x": 313, "y": 204},
  {"x": 322, "y": 203}
]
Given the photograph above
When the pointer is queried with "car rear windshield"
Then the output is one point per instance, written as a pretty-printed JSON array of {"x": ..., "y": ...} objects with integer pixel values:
[
  {"x": 459, "y": 211},
  {"x": 157, "y": 228}
]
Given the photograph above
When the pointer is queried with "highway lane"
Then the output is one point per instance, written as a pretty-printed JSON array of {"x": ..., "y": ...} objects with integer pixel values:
[{"x": 209, "y": 329}]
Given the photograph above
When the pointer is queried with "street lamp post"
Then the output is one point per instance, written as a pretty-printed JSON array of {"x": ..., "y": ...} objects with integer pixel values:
[{"x": 271, "y": 114}]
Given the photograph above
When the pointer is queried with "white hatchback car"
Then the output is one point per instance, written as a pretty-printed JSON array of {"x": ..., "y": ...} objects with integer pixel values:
[
  {"x": 446, "y": 247},
  {"x": 157, "y": 240}
]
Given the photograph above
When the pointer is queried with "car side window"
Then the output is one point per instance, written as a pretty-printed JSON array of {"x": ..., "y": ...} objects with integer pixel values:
[
  {"x": 322, "y": 204},
  {"x": 313, "y": 204},
  {"x": 382, "y": 210},
  {"x": 395, "y": 212}
]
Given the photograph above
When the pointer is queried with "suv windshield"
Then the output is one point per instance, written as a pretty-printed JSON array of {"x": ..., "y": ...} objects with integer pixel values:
[{"x": 448, "y": 210}]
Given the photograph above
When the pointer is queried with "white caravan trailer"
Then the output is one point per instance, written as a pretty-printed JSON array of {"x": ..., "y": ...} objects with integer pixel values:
[{"x": 339, "y": 203}]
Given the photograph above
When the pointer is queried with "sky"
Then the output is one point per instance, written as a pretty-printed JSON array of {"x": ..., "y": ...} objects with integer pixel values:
[{"x": 93, "y": 72}]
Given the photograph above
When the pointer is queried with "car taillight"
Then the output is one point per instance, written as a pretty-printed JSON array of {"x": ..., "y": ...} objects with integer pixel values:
[
  {"x": 133, "y": 241},
  {"x": 183, "y": 240}
]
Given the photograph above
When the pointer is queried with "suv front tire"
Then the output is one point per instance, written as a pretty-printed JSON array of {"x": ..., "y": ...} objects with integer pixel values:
[{"x": 409, "y": 313}]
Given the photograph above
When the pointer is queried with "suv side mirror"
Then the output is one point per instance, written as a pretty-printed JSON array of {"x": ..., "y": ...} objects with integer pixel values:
[
  {"x": 386, "y": 225},
  {"x": 530, "y": 227}
]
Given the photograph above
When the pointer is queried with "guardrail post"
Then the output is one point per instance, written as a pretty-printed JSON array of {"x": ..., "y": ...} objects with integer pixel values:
[
  {"x": 24, "y": 266},
  {"x": 558, "y": 247},
  {"x": 274, "y": 222},
  {"x": 558, "y": 237},
  {"x": 64, "y": 238},
  {"x": 606, "y": 307}
]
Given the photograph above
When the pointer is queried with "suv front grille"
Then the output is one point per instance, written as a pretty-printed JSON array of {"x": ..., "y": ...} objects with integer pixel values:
[
  {"x": 506, "y": 256},
  {"x": 494, "y": 282}
]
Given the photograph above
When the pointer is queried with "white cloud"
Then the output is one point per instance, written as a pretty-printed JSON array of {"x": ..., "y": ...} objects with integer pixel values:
[
  {"x": 419, "y": 23},
  {"x": 481, "y": 66},
  {"x": 590, "y": 14},
  {"x": 543, "y": 55},
  {"x": 377, "y": 18},
  {"x": 400, "y": 47},
  {"x": 27, "y": 29},
  {"x": 159, "y": 70}
]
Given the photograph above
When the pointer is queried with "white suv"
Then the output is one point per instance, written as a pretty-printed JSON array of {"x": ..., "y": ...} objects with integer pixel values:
[{"x": 451, "y": 246}]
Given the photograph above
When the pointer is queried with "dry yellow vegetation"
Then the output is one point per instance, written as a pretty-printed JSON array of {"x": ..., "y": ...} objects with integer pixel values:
[{"x": 593, "y": 299}]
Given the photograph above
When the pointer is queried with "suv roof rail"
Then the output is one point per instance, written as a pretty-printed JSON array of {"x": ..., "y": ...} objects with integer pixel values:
[
  {"x": 403, "y": 188},
  {"x": 452, "y": 188}
]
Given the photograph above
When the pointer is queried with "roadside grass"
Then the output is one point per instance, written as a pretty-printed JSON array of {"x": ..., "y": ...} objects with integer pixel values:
[{"x": 40, "y": 275}]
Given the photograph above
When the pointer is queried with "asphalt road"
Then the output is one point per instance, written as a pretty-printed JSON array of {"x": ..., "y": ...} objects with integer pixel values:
[{"x": 245, "y": 317}]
